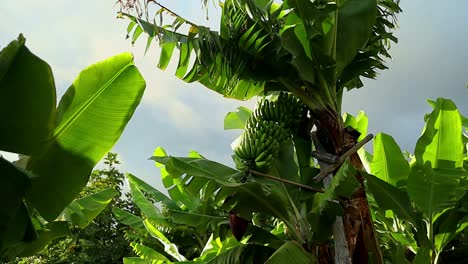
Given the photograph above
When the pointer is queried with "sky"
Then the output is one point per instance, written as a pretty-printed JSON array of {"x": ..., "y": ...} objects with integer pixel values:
[{"x": 429, "y": 61}]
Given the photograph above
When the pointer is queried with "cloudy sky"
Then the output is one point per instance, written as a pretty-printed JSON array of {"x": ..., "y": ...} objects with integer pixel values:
[{"x": 429, "y": 61}]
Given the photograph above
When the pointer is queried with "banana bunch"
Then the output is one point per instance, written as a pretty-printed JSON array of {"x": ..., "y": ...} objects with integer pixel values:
[
  {"x": 270, "y": 125},
  {"x": 286, "y": 110}
]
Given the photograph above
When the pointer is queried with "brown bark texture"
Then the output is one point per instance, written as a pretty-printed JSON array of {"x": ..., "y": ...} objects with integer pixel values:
[{"x": 359, "y": 230}]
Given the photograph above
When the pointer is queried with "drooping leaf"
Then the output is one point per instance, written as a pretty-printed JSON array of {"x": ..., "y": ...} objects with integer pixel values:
[
  {"x": 27, "y": 101},
  {"x": 291, "y": 253},
  {"x": 90, "y": 118},
  {"x": 390, "y": 197},
  {"x": 156, "y": 194},
  {"x": 81, "y": 212},
  {"x": 388, "y": 163},
  {"x": 146, "y": 206},
  {"x": 169, "y": 247},
  {"x": 148, "y": 254},
  {"x": 127, "y": 218},
  {"x": 218, "y": 65},
  {"x": 371, "y": 57},
  {"x": 237, "y": 119}
]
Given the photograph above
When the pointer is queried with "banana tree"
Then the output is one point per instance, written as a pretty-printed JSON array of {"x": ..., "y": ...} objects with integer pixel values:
[
  {"x": 207, "y": 198},
  {"x": 59, "y": 146},
  {"x": 312, "y": 49},
  {"x": 420, "y": 205}
]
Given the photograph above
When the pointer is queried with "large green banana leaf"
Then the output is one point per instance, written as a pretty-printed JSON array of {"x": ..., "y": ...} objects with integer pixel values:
[
  {"x": 148, "y": 254},
  {"x": 27, "y": 100},
  {"x": 90, "y": 118},
  {"x": 127, "y": 218},
  {"x": 388, "y": 163},
  {"x": 356, "y": 19},
  {"x": 441, "y": 143},
  {"x": 342, "y": 40},
  {"x": 390, "y": 197},
  {"x": 82, "y": 211},
  {"x": 434, "y": 181}
]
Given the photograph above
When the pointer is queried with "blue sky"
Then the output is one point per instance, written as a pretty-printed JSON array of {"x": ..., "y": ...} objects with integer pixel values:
[{"x": 429, "y": 61}]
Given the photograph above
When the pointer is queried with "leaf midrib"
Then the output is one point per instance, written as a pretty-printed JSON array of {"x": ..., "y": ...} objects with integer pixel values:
[
  {"x": 387, "y": 178},
  {"x": 81, "y": 109},
  {"x": 435, "y": 165}
]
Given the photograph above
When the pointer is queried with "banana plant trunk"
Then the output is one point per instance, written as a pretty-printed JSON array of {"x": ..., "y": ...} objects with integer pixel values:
[{"x": 355, "y": 240}]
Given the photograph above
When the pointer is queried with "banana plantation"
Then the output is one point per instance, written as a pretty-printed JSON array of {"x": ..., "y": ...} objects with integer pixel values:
[{"x": 308, "y": 183}]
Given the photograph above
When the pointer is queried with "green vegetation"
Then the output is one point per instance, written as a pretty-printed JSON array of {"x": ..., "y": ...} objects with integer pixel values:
[
  {"x": 103, "y": 240},
  {"x": 303, "y": 179},
  {"x": 311, "y": 49},
  {"x": 272, "y": 219},
  {"x": 59, "y": 146},
  {"x": 304, "y": 189}
]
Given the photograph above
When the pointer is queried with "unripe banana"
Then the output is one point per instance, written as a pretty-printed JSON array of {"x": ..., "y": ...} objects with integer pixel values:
[{"x": 268, "y": 127}]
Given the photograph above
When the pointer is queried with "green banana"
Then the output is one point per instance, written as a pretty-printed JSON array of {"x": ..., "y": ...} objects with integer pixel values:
[{"x": 268, "y": 127}]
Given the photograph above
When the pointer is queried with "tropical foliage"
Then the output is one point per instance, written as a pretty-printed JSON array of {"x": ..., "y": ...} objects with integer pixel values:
[
  {"x": 303, "y": 190},
  {"x": 103, "y": 240},
  {"x": 415, "y": 223},
  {"x": 420, "y": 206},
  {"x": 312, "y": 49},
  {"x": 59, "y": 146}
]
